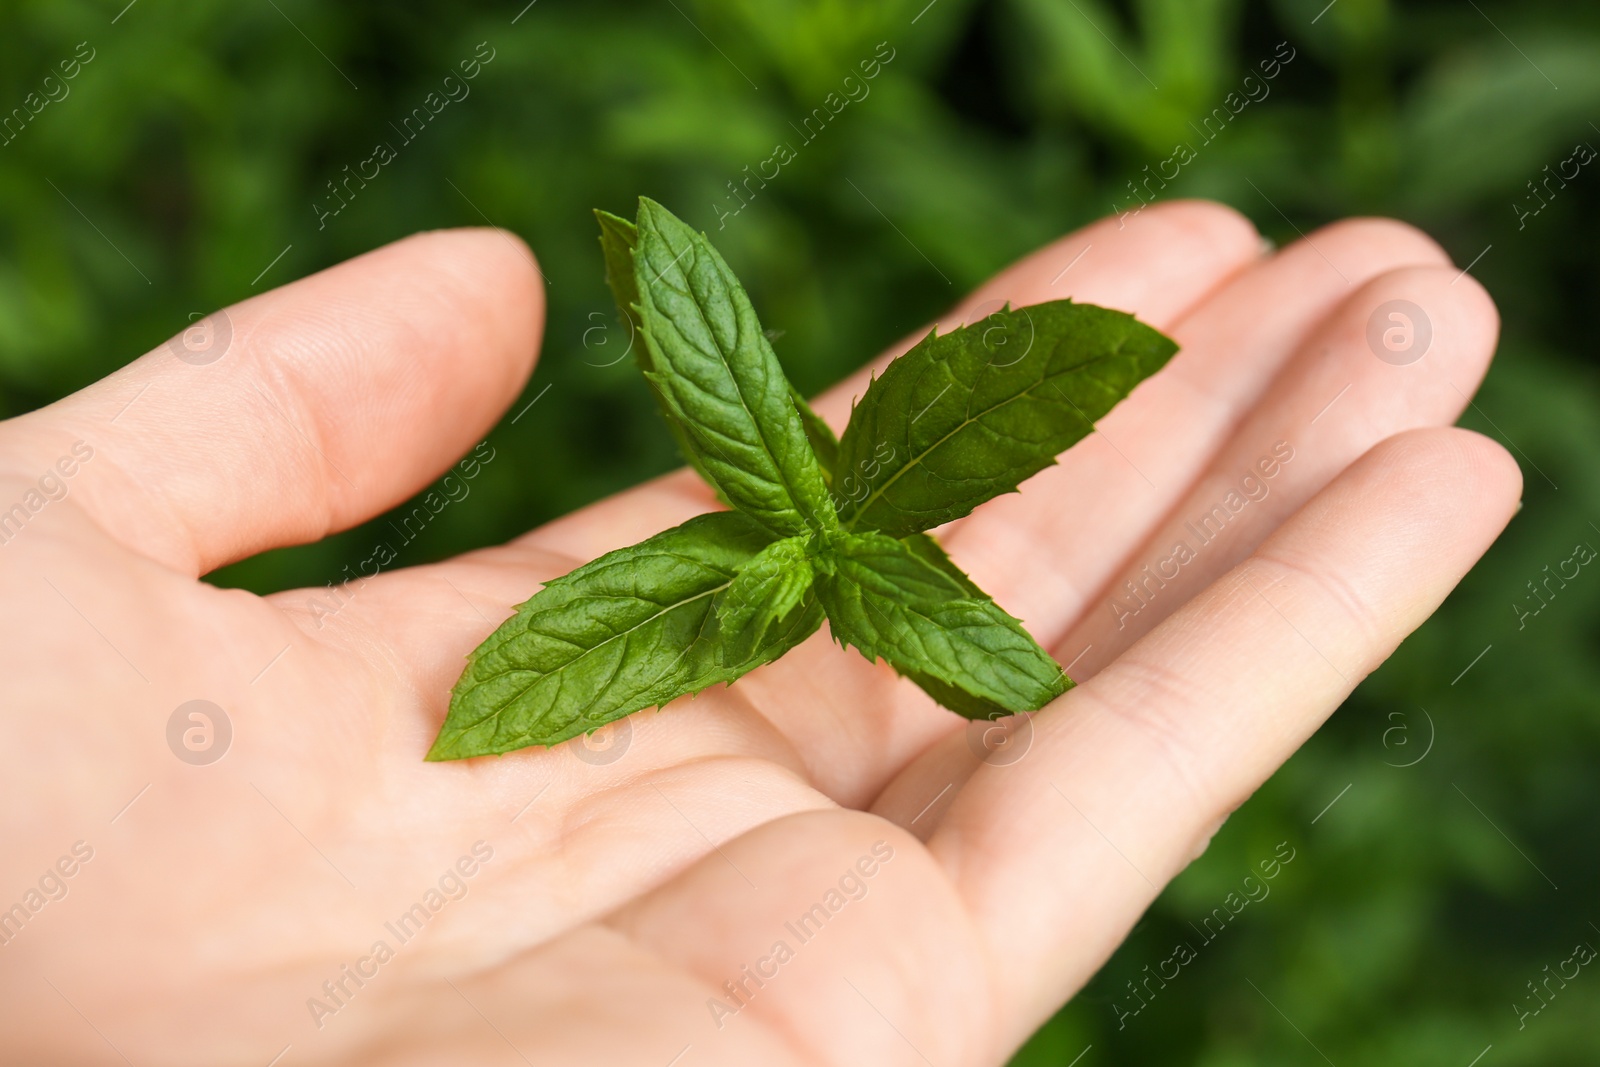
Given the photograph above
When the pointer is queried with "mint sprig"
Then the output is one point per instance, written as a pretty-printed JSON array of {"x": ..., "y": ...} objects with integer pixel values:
[{"x": 819, "y": 526}]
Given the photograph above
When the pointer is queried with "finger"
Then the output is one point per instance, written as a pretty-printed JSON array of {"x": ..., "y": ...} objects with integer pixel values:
[
  {"x": 1129, "y": 773},
  {"x": 1332, "y": 403},
  {"x": 307, "y": 409},
  {"x": 1046, "y": 552}
]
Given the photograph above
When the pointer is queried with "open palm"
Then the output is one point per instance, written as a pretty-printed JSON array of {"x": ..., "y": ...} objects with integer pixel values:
[{"x": 817, "y": 865}]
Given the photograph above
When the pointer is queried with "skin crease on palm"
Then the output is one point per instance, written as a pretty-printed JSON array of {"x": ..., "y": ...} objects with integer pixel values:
[{"x": 621, "y": 897}]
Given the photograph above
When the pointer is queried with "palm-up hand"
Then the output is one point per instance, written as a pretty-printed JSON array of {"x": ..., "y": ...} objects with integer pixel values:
[{"x": 625, "y": 906}]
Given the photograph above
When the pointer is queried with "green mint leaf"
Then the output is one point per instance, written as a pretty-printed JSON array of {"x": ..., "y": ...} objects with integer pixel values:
[
  {"x": 928, "y": 550},
  {"x": 765, "y": 592},
  {"x": 966, "y": 416},
  {"x": 618, "y": 239},
  {"x": 894, "y": 602},
  {"x": 721, "y": 380},
  {"x": 630, "y": 630}
]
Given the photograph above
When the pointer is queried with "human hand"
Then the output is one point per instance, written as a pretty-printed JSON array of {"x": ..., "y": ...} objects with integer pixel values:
[{"x": 582, "y": 911}]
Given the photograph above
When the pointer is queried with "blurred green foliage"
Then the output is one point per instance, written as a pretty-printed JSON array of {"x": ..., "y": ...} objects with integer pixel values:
[{"x": 189, "y": 151}]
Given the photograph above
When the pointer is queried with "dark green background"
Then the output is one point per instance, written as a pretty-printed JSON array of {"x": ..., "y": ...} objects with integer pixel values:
[{"x": 1408, "y": 924}]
